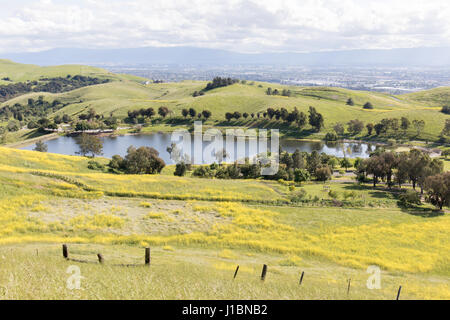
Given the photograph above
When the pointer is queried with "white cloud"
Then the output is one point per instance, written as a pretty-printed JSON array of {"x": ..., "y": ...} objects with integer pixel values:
[{"x": 242, "y": 25}]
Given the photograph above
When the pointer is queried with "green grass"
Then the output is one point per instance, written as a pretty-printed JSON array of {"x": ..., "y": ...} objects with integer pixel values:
[{"x": 191, "y": 274}]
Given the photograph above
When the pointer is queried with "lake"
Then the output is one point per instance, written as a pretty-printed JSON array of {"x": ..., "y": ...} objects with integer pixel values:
[{"x": 160, "y": 141}]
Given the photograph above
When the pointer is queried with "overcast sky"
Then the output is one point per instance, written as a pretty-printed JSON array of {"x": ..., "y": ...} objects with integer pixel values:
[{"x": 244, "y": 26}]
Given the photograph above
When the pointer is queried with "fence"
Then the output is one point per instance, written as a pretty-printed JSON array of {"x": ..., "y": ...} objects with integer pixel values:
[{"x": 147, "y": 259}]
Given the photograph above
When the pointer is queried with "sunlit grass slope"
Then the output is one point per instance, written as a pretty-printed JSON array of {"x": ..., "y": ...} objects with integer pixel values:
[{"x": 204, "y": 225}]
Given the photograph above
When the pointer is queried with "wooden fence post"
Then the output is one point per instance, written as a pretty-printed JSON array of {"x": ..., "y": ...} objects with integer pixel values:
[
  {"x": 147, "y": 256},
  {"x": 398, "y": 293},
  {"x": 100, "y": 258},
  {"x": 348, "y": 288},
  {"x": 235, "y": 273},
  {"x": 264, "y": 272},
  {"x": 65, "y": 251},
  {"x": 301, "y": 277}
]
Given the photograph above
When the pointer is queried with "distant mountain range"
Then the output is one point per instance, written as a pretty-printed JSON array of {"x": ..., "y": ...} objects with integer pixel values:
[{"x": 415, "y": 57}]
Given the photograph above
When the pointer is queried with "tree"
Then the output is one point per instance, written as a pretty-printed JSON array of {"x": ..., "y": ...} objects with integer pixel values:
[
  {"x": 40, "y": 146},
  {"x": 150, "y": 112},
  {"x": 355, "y": 126},
  {"x": 418, "y": 125},
  {"x": 236, "y": 115},
  {"x": 339, "y": 128},
  {"x": 245, "y": 115},
  {"x": 345, "y": 163},
  {"x": 409, "y": 198},
  {"x": 315, "y": 119},
  {"x": 445, "y": 109},
  {"x": 180, "y": 169},
  {"x": 206, "y": 114},
  {"x": 331, "y": 136},
  {"x": 369, "y": 128},
  {"x": 144, "y": 160},
  {"x": 301, "y": 175},
  {"x": 298, "y": 161},
  {"x": 192, "y": 112},
  {"x": 228, "y": 116},
  {"x": 438, "y": 189},
  {"x": 163, "y": 111},
  {"x": 405, "y": 124},
  {"x": 368, "y": 105},
  {"x": 350, "y": 102},
  {"x": 313, "y": 161},
  {"x": 446, "y": 131},
  {"x": 12, "y": 126},
  {"x": 66, "y": 118},
  {"x": 301, "y": 121},
  {"x": 89, "y": 144},
  {"x": 185, "y": 112},
  {"x": 323, "y": 173}
]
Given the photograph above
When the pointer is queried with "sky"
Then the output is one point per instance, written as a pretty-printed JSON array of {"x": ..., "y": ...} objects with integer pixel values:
[{"x": 238, "y": 25}]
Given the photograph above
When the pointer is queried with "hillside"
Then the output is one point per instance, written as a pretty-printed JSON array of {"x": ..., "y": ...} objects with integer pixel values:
[
  {"x": 18, "y": 72},
  {"x": 126, "y": 93},
  {"x": 198, "y": 238}
]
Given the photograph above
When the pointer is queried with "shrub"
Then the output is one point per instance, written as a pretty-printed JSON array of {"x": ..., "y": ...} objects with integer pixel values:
[
  {"x": 94, "y": 165},
  {"x": 368, "y": 105},
  {"x": 323, "y": 173},
  {"x": 331, "y": 136},
  {"x": 409, "y": 198},
  {"x": 180, "y": 169}
]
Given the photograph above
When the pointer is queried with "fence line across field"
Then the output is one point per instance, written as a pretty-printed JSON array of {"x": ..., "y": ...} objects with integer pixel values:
[
  {"x": 101, "y": 260},
  {"x": 147, "y": 261}
]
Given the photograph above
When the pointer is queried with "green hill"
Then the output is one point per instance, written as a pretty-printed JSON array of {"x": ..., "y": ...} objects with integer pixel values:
[{"x": 126, "y": 93}]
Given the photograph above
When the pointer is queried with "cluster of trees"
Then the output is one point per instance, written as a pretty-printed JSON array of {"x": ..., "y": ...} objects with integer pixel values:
[
  {"x": 92, "y": 121},
  {"x": 134, "y": 115},
  {"x": 276, "y": 92},
  {"x": 416, "y": 167},
  {"x": 399, "y": 168},
  {"x": 298, "y": 167},
  {"x": 385, "y": 126},
  {"x": 445, "y": 134},
  {"x": 315, "y": 119},
  {"x": 445, "y": 109},
  {"x": 191, "y": 112},
  {"x": 33, "y": 109},
  {"x": 198, "y": 93},
  {"x": 143, "y": 160},
  {"x": 220, "y": 82},
  {"x": 366, "y": 105},
  {"x": 53, "y": 85}
]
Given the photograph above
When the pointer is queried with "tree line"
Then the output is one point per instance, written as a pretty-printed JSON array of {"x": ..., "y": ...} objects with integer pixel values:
[
  {"x": 53, "y": 85},
  {"x": 314, "y": 118}
]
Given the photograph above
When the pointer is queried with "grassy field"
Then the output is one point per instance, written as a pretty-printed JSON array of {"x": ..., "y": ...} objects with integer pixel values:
[
  {"x": 199, "y": 230},
  {"x": 128, "y": 93}
]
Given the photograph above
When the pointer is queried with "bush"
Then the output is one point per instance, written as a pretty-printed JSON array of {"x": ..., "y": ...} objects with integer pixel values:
[
  {"x": 323, "y": 173},
  {"x": 368, "y": 105},
  {"x": 180, "y": 169},
  {"x": 299, "y": 196},
  {"x": 445, "y": 109},
  {"x": 409, "y": 199},
  {"x": 331, "y": 136},
  {"x": 94, "y": 165}
]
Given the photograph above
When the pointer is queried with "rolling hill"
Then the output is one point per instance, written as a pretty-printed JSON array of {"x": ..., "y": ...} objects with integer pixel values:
[{"x": 126, "y": 93}]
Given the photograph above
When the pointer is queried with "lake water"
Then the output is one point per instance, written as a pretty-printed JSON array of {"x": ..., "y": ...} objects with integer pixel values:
[{"x": 160, "y": 141}]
